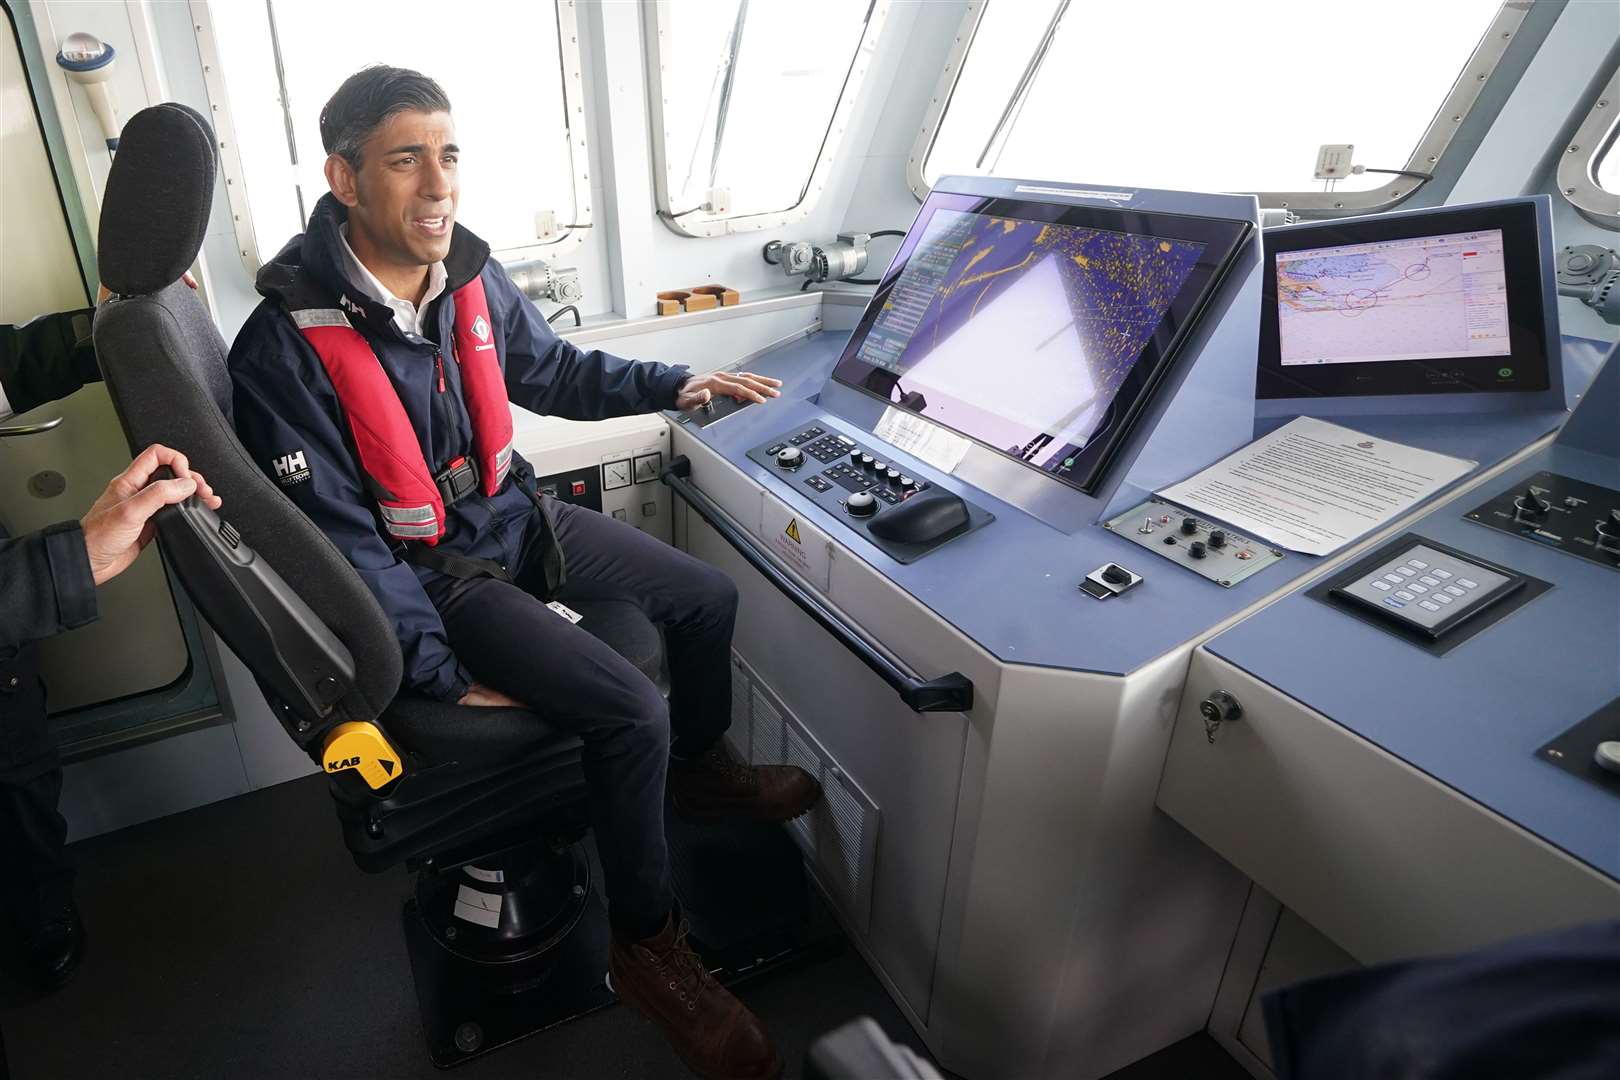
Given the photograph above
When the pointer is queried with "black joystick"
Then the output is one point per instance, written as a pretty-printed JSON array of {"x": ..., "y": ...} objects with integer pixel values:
[
  {"x": 1115, "y": 574},
  {"x": 861, "y": 504},
  {"x": 1530, "y": 504},
  {"x": 1217, "y": 538},
  {"x": 1608, "y": 532},
  {"x": 1197, "y": 549},
  {"x": 1189, "y": 526},
  {"x": 789, "y": 457}
]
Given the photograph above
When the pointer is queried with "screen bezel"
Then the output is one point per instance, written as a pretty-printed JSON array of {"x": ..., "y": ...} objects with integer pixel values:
[
  {"x": 1527, "y": 324},
  {"x": 1222, "y": 240}
]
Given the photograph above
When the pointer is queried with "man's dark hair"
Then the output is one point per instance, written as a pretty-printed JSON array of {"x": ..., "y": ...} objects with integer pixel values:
[{"x": 367, "y": 99}]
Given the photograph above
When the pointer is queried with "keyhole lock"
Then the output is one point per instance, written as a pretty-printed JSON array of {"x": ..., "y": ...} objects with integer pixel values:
[{"x": 1217, "y": 709}]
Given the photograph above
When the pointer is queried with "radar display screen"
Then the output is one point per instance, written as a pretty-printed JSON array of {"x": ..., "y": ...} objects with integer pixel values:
[
  {"x": 1036, "y": 329},
  {"x": 1442, "y": 301}
]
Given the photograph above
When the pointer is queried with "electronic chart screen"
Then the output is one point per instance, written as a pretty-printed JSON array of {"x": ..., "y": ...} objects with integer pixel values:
[
  {"x": 1037, "y": 329},
  {"x": 1441, "y": 302}
]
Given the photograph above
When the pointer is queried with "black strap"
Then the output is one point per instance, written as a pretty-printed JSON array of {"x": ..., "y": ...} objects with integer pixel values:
[{"x": 464, "y": 567}]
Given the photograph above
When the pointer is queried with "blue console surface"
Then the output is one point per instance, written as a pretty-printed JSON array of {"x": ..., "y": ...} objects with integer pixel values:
[
  {"x": 1474, "y": 718},
  {"x": 1012, "y": 586}
]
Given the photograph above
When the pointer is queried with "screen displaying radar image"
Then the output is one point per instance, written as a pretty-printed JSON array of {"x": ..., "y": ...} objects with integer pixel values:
[
  {"x": 1038, "y": 338},
  {"x": 1414, "y": 298}
]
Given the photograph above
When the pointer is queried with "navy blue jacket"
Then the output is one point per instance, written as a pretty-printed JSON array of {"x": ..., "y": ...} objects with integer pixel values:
[{"x": 285, "y": 406}]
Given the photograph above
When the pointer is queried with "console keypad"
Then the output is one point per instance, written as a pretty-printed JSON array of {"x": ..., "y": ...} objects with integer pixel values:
[{"x": 1428, "y": 590}]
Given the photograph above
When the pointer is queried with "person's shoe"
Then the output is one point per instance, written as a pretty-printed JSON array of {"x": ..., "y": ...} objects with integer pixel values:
[
  {"x": 55, "y": 947},
  {"x": 715, "y": 784},
  {"x": 709, "y": 1029}
]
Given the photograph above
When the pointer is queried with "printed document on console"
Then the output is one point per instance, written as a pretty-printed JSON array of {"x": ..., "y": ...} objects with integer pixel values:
[{"x": 1313, "y": 487}]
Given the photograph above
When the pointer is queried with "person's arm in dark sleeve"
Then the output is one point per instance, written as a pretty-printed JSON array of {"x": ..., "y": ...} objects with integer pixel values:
[
  {"x": 46, "y": 359},
  {"x": 277, "y": 413},
  {"x": 549, "y": 376},
  {"x": 45, "y": 584}
]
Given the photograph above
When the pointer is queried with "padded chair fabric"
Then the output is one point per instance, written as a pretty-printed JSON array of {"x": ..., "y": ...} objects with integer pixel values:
[
  {"x": 164, "y": 364},
  {"x": 155, "y": 210}
]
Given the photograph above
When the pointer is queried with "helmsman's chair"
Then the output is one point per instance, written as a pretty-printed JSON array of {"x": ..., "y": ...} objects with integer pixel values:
[{"x": 486, "y": 806}]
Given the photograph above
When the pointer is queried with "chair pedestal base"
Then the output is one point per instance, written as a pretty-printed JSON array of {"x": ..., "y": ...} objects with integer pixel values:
[
  {"x": 470, "y": 1007},
  {"x": 742, "y": 886}
]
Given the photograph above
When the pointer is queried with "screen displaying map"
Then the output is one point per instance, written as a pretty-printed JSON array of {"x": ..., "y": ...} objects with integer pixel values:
[
  {"x": 1021, "y": 333},
  {"x": 1414, "y": 298}
]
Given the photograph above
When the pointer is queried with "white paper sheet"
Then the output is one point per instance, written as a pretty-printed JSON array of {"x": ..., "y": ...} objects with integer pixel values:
[
  {"x": 940, "y": 448},
  {"x": 1313, "y": 487}
]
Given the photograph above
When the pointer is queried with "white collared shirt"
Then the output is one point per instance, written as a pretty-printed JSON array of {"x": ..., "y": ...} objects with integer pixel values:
[{"x": 407, "y": 316}]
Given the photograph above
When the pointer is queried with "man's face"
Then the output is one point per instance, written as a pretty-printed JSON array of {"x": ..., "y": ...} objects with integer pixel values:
[{"x": 403, "y": 197}]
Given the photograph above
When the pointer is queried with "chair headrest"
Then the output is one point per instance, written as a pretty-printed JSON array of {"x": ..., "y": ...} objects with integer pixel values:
[{"x": 155, "y": 210}]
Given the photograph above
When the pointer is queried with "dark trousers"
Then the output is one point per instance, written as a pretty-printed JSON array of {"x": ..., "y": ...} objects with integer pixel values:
[
  {"x": 509, "y": 640},
  {"x": 35, "y": 874}
]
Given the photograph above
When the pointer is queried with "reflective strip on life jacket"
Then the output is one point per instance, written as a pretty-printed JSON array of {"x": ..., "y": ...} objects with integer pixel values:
[{"x": 390, "y": 456}]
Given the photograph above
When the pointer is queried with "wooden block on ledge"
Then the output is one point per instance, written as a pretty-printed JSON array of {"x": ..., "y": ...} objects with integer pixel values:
[{"x": 725, "y": 295}]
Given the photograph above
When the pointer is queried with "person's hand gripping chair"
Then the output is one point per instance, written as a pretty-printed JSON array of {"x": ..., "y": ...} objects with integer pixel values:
[{"x": 486, "y": 806}]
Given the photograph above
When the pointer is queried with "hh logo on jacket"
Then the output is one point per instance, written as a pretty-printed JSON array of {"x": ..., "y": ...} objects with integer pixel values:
[{"x": 290, "y": 468}]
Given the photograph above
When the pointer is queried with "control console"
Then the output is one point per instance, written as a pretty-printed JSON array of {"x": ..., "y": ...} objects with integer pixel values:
[
  {"x": 1575, "y": 517},
  {"x": 905, "y": 516},
  {"x": 1224, "y": 556}
]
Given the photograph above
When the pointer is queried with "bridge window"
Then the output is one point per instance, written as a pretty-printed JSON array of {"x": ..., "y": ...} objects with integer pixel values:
[
  {"x": 748, "y": 105},
  {"x": 1213, "y": 97},
  {"x": 1589, "y": 167},
  {"x": 272, "y": 64}
]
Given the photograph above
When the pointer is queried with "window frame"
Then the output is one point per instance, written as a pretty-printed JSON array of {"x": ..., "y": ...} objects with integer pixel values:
[
  {"x": 701, "y": 223},
  {"x": 230, "y": 160},
  {"x": 1598, "y": 134},
  {"x": 1427, "y": 156}
]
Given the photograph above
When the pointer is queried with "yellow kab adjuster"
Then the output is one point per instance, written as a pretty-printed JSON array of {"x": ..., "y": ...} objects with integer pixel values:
[{"x": 361, "y": 746}]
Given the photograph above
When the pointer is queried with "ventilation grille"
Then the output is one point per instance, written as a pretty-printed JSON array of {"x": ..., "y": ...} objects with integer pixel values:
[{"x": 840, "y": 833}]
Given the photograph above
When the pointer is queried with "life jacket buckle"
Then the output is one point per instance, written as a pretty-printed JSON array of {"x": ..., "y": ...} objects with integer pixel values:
[{"x": 459, "y": 479}]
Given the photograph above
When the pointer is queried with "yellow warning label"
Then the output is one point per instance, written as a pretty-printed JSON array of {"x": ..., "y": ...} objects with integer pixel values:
[{"x": 793, "y": 530}]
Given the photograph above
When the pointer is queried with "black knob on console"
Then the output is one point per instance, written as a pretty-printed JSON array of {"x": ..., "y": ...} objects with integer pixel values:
[
  {"x": 1217, "y": 538},
  {"x": 1189, "y": 525},
  {"x": 789, "y": 457},
  {"x": 1608, "y": 532},
  {"x": 1115, "y": 574},
  {"x": 861, "y": 504},
  {"x": 1530, "y": 504},
  {"x": 866, "y": 461},
  {"x": 1197, "y": 549},
  {"x": 892, "y": 475}
]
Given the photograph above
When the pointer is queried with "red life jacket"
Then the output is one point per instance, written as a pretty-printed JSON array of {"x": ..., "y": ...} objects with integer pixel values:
[{"x": 391, "y": 459}]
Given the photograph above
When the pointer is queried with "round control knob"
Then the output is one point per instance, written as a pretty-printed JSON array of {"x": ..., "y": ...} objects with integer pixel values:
[
  {"x": 879, "y": 466},
  {"x": 861, "y": 504},
  {"x": 866, "y": 461},
  {"x": 1607, "y": 756},
  {"x": 907, "y": 483},
  {"x": 1530, "y": 504},
  {"x": 1197, "y": 549},
  {"x": 1217, "y": 538},
  {"x": 892, "y": 475},
  {"x": 789, "y": 457},
  {"x": 1189, "y": 526},
  {"x": 1608, "y": 532},
  {"x": 855, "y": 455}
]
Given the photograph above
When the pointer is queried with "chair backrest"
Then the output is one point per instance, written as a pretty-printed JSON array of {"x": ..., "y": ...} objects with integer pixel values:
[{"x": 270, "y": 583}]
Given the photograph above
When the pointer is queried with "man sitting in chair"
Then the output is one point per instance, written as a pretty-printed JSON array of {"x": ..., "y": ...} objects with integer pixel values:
[{"x": 372, "y": 383}]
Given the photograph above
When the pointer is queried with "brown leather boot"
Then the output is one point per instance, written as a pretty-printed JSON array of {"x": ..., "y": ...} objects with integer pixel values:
[
  {"x": 715, "y": 784},
  {"x": 711, "y": 1031}
]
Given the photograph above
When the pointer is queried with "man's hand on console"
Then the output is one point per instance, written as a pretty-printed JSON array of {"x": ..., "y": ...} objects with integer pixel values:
[
  {"x": 119, "y": 525},
  {"x": 742, "y": 385},
  {"x": 481, "y": 695}
]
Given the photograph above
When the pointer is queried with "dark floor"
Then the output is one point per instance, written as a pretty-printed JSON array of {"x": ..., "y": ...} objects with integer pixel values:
[{"x": 238, "y": 940}]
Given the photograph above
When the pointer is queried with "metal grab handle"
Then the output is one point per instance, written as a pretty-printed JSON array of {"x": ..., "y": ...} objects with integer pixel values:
[
  {"x": 12, "y": 431},
  {"x": 948, "y": 693}
]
